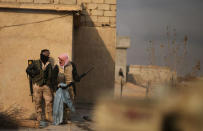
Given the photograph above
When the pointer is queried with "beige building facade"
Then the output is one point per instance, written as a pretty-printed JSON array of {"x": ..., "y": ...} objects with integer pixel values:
[{"x": 84, "y": 29}]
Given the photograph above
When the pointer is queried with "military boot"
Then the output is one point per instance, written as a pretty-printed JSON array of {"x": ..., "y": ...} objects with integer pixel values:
[
  {"x": 39, "y": 116},
  {"x": 49, "y": 117}
]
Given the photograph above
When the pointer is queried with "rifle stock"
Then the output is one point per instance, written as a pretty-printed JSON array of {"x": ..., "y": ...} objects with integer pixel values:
[{"x": 30, "y": 80}]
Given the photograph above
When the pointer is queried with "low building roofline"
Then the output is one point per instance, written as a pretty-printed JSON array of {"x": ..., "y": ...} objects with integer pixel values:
[{"x": 55, "y": 7}]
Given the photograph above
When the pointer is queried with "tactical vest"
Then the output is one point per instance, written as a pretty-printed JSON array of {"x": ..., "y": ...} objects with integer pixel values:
[{"x": 44, "y": 76}]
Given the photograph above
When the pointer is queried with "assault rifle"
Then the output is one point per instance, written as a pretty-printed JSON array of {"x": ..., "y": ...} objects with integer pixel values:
[
  {"x": 30, "y": 62},
  {"x": 64, "y": 86}
]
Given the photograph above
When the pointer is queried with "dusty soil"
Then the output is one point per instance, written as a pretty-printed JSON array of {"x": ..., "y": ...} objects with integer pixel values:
[
  {"x": 130, "y": 90},
  {"x": 77, "y": 122}
]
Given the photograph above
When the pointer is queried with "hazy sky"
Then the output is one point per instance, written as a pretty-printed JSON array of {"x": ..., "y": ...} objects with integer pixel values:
[{"x": 145, "y": 20}]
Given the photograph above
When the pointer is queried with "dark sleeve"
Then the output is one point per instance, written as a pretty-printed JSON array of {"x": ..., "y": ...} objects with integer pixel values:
[
  {"x": 47, "y": 74},
  {"x": 54, "y": 77},
  {"x": 54, "y": 74},
  {"x": 49, "y": 71}
]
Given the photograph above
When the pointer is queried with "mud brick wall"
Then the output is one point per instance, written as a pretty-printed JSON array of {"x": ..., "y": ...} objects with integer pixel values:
[{"x": 98, "y": 13}]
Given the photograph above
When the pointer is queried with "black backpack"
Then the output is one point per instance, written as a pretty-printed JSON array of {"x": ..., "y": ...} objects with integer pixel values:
[{"x": 75, "y": 74}]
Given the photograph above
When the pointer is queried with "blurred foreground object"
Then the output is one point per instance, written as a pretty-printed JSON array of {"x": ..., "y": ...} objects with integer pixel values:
[
  {"x": 127, "y": 115},
  {"x": 174, "y": 109},
  {"x": 12, "y": 118}
]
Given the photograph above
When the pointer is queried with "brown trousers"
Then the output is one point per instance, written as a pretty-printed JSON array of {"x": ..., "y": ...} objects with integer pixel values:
[{"x": 39, "y": 94}]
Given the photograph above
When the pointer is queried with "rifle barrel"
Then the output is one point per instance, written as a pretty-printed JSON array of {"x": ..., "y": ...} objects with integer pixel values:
[
  {"x": 84, "y": 74},
  {"x": 89, "y": 70}
]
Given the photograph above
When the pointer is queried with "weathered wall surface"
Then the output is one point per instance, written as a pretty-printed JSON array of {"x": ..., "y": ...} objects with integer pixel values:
[
  {"x": 122, "y": 44},
  {"x": 23, "y": 42},
  {"x": 94, "y": 42},
  {"x": 121, "y": 56},
  {"x": 98, "y": 13},
  {"x": 95, "y": 45},
  {"x": 155, "y": 74},
  {"x": 68, "y": 2}
]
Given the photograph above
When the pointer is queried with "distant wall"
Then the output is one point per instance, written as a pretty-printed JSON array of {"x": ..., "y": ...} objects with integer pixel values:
[
  {"x": 122, "y": 44},
  {"x": 142, "y": 74}
]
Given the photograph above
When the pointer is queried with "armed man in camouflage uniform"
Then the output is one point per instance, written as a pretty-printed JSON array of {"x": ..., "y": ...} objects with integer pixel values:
[{"x": 41, "y": 84}]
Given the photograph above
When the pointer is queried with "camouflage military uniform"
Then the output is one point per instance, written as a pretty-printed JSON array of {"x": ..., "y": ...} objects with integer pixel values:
[{"x": 42, "y": 90}]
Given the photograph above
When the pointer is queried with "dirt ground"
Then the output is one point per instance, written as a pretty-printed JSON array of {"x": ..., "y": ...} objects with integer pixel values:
[
  {"x": 130, "y": 90},
  {"x": 78, "y": 122}
]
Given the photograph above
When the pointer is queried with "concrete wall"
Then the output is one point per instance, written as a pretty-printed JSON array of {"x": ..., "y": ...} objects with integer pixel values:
[
  {"x": 95, "y": 45},
  {"x": 23, "y": 42},
  {"x": 142, "y": 74},
  {"x": 123, "y": 43},
  {"x": 121, "y": 60}
]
